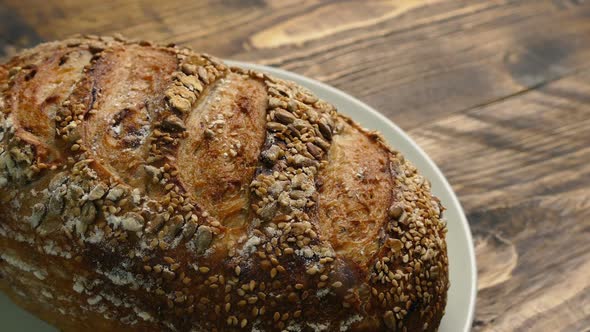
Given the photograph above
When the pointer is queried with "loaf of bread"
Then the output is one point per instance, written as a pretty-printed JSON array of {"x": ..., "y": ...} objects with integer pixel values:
[{"x": 151, "y": 188}]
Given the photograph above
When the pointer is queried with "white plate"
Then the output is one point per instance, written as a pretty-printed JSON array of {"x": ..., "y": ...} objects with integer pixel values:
[{"x": 463, "y": 273}]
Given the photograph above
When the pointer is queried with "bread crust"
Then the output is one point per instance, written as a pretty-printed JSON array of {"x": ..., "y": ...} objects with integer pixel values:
[{"x": 150, "y": 188}]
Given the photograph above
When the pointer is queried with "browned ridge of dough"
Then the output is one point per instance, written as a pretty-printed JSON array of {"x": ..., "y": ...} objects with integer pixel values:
[
  {"x": 127, "y": 84},
  {"x": 218, "y": 158},
  {"x": 152, "y": 188},
  {"x": 39, "y": 89},
  {"x": 355, "y": 195}
]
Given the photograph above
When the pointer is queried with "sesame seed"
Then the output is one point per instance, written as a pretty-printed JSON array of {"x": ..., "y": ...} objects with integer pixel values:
[{"x": 169, "y": 260}]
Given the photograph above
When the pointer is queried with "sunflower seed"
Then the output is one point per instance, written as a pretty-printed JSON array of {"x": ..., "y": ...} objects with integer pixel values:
[
  {"x": 38, "y": 213},
  {"x": 283, "y": 116},
  {"x": 203, "y": 239},
  {"x": 98, "y": 192}
]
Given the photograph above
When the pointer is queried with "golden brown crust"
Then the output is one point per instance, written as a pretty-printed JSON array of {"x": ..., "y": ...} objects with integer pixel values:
[
  {"x": 151, "y": 188},
  {"x": 126, "y": 85},
  {"x": 355, "y": 194},
  {"x": 220, "y": 153}
]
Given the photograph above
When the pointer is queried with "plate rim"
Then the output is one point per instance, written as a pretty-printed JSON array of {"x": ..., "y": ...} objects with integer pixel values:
[{"x": 309, "y": 82}]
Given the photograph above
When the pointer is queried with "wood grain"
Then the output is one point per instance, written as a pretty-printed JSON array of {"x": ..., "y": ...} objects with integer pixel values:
[
  {"x": 497, "y": 92},
  {"x": 520, "y": 167}
]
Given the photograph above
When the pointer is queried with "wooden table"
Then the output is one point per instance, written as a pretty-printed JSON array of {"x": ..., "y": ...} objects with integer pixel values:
[{"x": 496, "y": 92}]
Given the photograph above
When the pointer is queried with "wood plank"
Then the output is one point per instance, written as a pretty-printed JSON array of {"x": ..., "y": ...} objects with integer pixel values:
[
  {"x": 520, "y": 167},
  {"x": 541, "y": 246},
  {"x": 537, "y": 143},
  {"x": 15, "y": 33}
]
